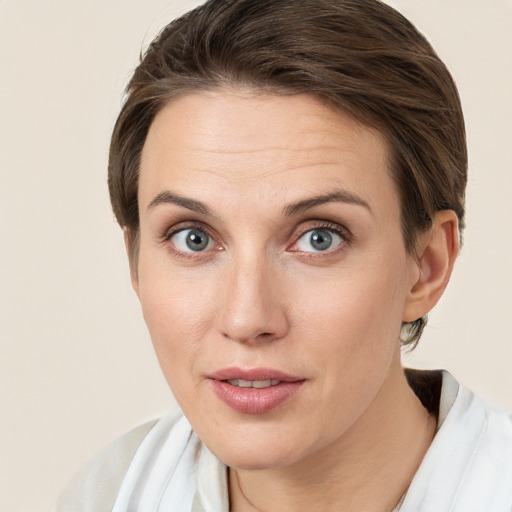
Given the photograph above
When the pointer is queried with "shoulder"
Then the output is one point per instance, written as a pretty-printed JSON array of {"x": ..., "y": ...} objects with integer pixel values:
[
  {"x": 95, "y": 487},
  {"x": 486, "y": 483},
  {"x": 468, "y": 467},
  {"x": 477, "y": 441}
]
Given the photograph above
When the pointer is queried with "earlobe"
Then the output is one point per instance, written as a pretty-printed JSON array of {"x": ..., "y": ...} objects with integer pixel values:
[
  {"x": 129, "y": 241},
  {"x": 437, "y": 251}
]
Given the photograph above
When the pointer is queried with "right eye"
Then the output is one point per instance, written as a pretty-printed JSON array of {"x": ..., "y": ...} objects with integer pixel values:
[{"x": 192, "y": 240}]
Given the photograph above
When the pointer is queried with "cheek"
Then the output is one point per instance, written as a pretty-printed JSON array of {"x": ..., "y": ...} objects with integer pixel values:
[
  {"x": 357, "y": 300},
  {"x": 353, "y": 323},
  {"x": 178, "y": 311},
  {"x": 351, "y": 335}
]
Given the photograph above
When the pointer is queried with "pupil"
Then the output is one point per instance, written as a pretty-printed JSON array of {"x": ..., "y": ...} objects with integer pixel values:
[
  {"x": 197, "y": 240},
  {"x": 321, "y": 240}
]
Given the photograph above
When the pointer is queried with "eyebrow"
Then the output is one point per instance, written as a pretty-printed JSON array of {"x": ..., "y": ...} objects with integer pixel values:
[
  {"x": 289, "y": 210},
  {"x": 342, "y": 196},
  {"x": 168, "y": 197}
]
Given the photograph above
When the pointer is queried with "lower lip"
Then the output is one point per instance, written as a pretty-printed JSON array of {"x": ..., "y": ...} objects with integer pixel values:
[{"x": 253, "y": 400}]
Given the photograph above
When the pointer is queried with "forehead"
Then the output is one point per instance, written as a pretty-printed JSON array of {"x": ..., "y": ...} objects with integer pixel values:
[{"x": 235, "y": 144}]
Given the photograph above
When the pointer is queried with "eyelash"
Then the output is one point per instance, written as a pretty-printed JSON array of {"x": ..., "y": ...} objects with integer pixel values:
[
  {"x": 341, "y": 231},
  {"x": 174, "y": 230}
]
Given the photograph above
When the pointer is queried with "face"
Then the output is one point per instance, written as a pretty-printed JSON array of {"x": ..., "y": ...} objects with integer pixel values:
[{"x": 272, "y": 271}]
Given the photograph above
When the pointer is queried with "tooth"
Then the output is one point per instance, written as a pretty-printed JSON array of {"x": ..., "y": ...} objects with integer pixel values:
[
  {"x": 258, "y": 384},
  {"x": 261, "y": 384}
]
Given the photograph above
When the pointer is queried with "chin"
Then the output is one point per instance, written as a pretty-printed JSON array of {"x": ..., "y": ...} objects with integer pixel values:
[
  {"x": 256, "y": 451},
  {"x": 256, "y": 461}
]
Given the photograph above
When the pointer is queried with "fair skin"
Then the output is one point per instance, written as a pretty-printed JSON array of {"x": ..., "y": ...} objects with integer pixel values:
[{"x": 270, "y": 239}]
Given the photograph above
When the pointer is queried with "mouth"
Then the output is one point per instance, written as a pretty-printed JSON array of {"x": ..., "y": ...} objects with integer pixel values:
[{"x": 254, "y": 391}]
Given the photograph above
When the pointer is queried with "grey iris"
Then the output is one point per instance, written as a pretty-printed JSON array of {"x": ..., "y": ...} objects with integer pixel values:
[
  {"x": 197, "y": 240},
  {"x": 320, "y": 239}
]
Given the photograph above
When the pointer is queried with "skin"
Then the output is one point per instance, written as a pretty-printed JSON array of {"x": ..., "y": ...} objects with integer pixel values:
[{"x": 259, "y": 295}]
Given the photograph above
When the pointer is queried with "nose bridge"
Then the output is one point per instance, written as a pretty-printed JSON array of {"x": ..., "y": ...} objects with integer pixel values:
[{"x": 252, "y": 310}]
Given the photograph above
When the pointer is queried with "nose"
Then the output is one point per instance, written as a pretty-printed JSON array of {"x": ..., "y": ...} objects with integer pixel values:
[{"x": 252, "y": 307}]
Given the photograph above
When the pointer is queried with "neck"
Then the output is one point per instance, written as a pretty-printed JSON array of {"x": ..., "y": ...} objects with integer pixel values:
[{"x": 369, "y": 467}]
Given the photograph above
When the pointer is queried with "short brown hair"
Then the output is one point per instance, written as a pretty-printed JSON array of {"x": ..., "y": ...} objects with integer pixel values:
[{"x": 358, "y": 55}]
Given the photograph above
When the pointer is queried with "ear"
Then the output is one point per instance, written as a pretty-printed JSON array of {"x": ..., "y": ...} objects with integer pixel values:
[
  {"x": 130, "y": 239},
  {"x": 436, "y": 252}
]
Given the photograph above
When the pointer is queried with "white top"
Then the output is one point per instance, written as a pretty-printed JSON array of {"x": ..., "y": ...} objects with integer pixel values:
[{"x": 164, "y": 467}]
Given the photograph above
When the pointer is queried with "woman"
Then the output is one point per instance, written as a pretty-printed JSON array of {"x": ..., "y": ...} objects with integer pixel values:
[{"x": 290, "y": 179}]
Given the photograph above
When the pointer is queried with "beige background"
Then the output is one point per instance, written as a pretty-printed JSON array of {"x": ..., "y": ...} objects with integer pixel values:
[{"x": 76, "y": 365}]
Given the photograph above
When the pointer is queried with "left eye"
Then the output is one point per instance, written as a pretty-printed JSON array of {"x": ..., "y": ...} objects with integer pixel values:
[
  {"x": 192, "y": 240},
  {"x": 318, "y": 240}
]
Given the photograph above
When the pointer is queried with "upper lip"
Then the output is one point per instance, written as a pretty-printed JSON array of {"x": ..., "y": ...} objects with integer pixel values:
[{"x": 253, "y": 374}]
